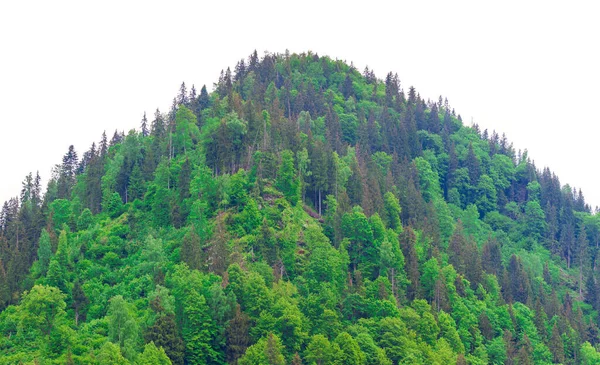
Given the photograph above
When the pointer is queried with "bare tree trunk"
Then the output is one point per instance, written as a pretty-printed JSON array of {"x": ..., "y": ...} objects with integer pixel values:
[{"x": 319, "y": 201}]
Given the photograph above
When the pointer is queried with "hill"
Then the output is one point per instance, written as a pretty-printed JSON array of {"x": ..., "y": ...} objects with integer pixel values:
[{"x": 305, "y": 213}]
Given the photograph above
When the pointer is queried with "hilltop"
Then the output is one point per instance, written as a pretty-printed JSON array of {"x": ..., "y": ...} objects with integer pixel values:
[{"x": 303, "y": 212}]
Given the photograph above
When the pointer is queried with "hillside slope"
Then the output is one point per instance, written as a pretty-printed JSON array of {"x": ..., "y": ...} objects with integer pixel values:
[{"x": 301, "y": 213}]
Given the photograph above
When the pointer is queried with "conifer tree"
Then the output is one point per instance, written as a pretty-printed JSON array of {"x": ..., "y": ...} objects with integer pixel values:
[
  {"x": 80, "y": 302},
  {"x": 144, "y": 126},
  {"x": 408, "y": 241},
  {"x": 238, "y": 338},
  {"x": 44, "y": 252},
  {"x": 191, "y": 252},
  {"x": 165, "y": 334},
  {"x": 135, "y": 188}
]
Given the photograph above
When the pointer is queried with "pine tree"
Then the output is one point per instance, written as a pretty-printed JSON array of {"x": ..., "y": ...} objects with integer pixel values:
[
  {"x": 191, "y": 252},
  {"x": 286, "y": 178},
  {"x": 164, "y": 333},
  {"x": 583, "y": 257},
  {"x": 44, "y": 252},
  {"x": 408, "y": 241},
  {"x": 103, "y": 145},
  {"x": 524, "y": 355},
  {"x": 473, "y": 165},
  {"x": 491, "y": 258},
  {"x": 182, "y": 97},
  {"x": 238, "y": 338},
  {"x": 158, "y": 125},
  {"x": 144, "y": 126},
  {"x": 273, "y": 351},
  {"x": 80, "y": 302},
  {"x": 199, "y": 331},
  {"x": 556, "y": 346},
  {"x": 135, "y": 188},
  {"x": 66, "y": 181}
]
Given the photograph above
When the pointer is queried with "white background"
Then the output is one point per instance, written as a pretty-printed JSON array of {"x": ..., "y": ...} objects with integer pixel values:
[{"x": 70, "y": 70}]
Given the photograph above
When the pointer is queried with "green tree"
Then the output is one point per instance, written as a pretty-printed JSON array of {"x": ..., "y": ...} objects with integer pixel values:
[
  {"x": 556, "y": 346},
  {"x": 123, "y": 328},
  {"x": 393, "y": 210},
  {"x": 44, "y": 252},
  {"x": 486, "y": 195},
  {"x": 110, "y": 354},
  {"x": 136, "y": 187},
  {"x": 267, "y": 351},
  {"x": 153, "y": 356},
  {"x": 408, "y": 241},
  {"x": 589, "y": 355},
  {"x": 85, "y": 219},
  {"x": 320, "y": 351},
  {"x": 357, "y": 229},
  {"x": 286, "y": 178},
  {"x": 191, "y": 251},
  {"x": 165, "y": 334},
  {"x": 237, "y": 335},
  {"x": 42, "y": 309},
  {"x": 79, "y": 302},
  {"x": 350, "y": 353},
  {"x": 199, "y": 331},
  {"x": 303, "y": 171}
]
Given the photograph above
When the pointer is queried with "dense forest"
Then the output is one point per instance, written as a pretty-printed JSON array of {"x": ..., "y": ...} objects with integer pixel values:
[{"x": 303, "y": 212}]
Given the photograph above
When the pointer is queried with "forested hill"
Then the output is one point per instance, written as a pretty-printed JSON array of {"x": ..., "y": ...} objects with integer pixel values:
[{"x": 301, "y": 213}]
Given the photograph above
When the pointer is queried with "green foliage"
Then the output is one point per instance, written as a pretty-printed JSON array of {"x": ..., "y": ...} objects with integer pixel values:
[
  {"x": 350, "y": 352},
  {"x": 301, "y": 213},
  {"x": 198, "y": 331},
  {"x": 44, "y": 252},
  {"x": 41, "y": 310},
  {"x": 153, "y": 355},
  {"x": 267, "y": 351},
  {"x": 123, "y": 329},
  {"x": 286, "y": 178}
]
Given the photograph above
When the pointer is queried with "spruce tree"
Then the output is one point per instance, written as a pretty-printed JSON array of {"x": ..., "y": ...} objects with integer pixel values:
[{"x": 144, "y": 126}]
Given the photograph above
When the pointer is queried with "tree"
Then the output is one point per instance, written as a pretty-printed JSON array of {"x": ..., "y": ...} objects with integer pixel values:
[
  {"x": 393, "y": 210},
  {"x": 486, "y": 195},
  {"x": 198, "y": 331},
  {"x": 350, "y": 353},
  {"x": 191, "y": 252},
  {"x": 473, "y": 165},
  {"x": 286, "y": 178},
  {"x": 320, "y": 351},
  {"x": 303, "y": 171},
  {"x": 66, "y": 180},
  {"x": 589, "y": 355},
  {"x": 44, "y": 252},
  {"x": 408, "y": 241},
  {"x": 556, "y": 346},
  {"x": 153, "y": 355},
  {"x": 267, "y": 351},
  {"x": 144, "y": 126},
  {"x": 238, "y": 338},
  {"x": 520, "y": 287},
  {"x": 491, "y": 258},
  {"x": 80, "y": 301},
  {"x": 524, "y": 356},
  {"x": 136, "y": 188},
  {"x": 42, "y": 309},
  {"x": 59, "y": 264},
  {"x": 110, "y": 354},
  {"x": 582, "y": 256},
  {"x": 123, "y": 329},
  {"x": 165, "y": 334},
  {"x": 357, "y": 229}
]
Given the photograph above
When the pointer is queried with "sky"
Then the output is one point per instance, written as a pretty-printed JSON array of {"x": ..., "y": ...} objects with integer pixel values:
[{"x": 70, "y": 70}]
